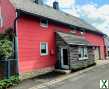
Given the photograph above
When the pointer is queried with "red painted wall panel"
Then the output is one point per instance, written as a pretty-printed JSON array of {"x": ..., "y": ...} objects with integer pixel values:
[
  {"x": 96, "y": 40},
  {"x": 8, "y": 14},
  {"x": 30, "y": 34}
]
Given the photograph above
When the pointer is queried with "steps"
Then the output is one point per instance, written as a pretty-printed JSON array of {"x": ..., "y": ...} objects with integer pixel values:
[{"x": 63, "y": 71}]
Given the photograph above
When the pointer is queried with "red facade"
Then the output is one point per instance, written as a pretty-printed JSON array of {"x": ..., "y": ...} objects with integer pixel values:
[
  {"x": 30, "y": 34},
  {"x": 8, "y": 14}
]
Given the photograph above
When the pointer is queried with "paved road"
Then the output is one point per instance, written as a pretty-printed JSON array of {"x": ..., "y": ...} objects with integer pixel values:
[{"x": 87, "y": 80}]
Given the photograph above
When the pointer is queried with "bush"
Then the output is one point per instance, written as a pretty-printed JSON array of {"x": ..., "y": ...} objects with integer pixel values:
[
  {"x": 5, "y": 49},
  {"x": 6, "y": 83}
]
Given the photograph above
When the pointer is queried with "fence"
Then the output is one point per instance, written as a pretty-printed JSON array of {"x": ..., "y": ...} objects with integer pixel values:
[{"x": 8, "y": 68}]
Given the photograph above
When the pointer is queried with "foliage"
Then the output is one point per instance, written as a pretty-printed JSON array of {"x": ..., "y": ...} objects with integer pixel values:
[
  {"x": 6, "y": 83},
  {"x": 5, "y": 49},
  {"x": 6, "y": 40},
  {"x": 8, "y": 34}
]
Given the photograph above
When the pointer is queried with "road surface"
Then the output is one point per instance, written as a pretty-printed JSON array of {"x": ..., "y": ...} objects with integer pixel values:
[{"x": 88, "y": 80}]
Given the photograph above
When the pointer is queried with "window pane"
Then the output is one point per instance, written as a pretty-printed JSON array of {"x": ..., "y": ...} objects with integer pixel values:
[
  {"x": 44, "y": 22},
  {"x": 43, "y": 48},
  {"x": 81, "y": 52},
  {"x": 85, "y": 52}
]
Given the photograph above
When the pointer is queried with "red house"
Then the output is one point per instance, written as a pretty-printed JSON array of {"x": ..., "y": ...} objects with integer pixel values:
[{"x": 48, "y": 38}]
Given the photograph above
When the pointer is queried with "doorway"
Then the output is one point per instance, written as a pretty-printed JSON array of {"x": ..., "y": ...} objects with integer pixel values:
[
  {"x": 97, "y": 53},
  {"x": 64, "y": 58}
]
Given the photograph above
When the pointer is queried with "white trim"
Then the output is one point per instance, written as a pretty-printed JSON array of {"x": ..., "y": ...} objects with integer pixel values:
[
  {"x": 44, "y": 54},
  {"x": 62, "y": 59}
]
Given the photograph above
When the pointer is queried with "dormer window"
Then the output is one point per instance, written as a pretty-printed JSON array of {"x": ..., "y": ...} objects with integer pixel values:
[{"x": 44, "y": 22}]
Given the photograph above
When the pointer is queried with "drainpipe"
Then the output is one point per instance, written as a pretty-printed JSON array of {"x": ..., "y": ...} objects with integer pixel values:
[{"x": 16, "y": 42}]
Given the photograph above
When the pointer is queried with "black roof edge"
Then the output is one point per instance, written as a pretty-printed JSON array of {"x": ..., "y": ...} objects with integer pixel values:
[{"x": 66, "y": 24}]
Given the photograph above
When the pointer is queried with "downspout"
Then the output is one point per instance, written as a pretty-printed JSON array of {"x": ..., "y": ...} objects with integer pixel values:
[{"x": 16, "y": 43}]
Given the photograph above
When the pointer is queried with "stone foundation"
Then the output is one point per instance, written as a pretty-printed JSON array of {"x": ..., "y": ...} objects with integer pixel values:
[{"x": 35, "y": 73}]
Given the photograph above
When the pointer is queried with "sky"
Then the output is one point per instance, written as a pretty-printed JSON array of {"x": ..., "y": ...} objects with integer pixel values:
[{"x": 95, "y": 12}]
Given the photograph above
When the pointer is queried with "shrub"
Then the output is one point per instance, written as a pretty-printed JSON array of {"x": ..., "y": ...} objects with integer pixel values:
[
  {"x": 5, "y": 49},
  {"x": 6, "y": 83}
]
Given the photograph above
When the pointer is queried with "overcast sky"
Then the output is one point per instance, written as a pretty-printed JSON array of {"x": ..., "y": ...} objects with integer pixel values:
[{"x": 95, "y": 12}]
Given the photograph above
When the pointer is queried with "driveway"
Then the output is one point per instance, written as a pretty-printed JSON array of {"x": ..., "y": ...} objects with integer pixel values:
[{"x": 87, "y": 80}]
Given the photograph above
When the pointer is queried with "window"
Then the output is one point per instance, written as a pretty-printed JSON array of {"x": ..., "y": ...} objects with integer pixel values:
[
  {"x": 44, "y": 22},
  {"x": 44, "y": 48},
  {"x": 1, "y": 18},
  {"x": 82, "y": 33},
  {"x": 83, "y": 53}
]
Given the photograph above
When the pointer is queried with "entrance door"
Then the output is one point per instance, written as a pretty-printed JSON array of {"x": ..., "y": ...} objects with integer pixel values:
[{"x": 64, "y": 58}]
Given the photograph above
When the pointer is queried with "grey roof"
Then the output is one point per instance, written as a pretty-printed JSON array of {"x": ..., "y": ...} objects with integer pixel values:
[
  {"x": 48, "y": 12},
  {"x": 69, "y": 38}
]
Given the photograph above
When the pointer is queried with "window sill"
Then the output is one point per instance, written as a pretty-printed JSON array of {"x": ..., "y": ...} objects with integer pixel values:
[
  {"x": 83, "y": 58},
  {"x": 44, "y": 54},
  {"x": 44, "y": 26}
]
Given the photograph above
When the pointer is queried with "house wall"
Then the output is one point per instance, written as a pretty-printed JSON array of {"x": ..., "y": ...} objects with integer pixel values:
[
  {"x": 30, "y": 34},
  {"x": 75, "y": 63},
  {"x": 8, "y": 13},
  {"x": 96, "y": 40}
]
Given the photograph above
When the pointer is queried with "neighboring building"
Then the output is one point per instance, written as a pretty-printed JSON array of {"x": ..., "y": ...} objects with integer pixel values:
[{"x": 44, "y": 34}]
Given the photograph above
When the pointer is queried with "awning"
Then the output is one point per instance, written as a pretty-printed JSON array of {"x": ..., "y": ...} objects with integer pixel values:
[{"x": 71, "y": 39}]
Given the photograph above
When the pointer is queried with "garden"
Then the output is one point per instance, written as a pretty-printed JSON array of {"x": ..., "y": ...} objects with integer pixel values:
[{"x": 8, "y": 62}]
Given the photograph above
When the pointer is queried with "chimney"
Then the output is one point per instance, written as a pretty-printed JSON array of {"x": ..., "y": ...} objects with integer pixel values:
[
  {"x": 40, "y": 2},
  {"x": 56, "y": 5}
]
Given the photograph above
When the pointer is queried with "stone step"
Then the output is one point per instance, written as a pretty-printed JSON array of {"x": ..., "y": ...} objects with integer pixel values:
[{"x": 63, "y": 71}]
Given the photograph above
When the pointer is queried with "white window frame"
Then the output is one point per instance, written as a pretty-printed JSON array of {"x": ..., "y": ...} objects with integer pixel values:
[
  {"x": 42, "y": 24},
  {"x": 44, "y": 54},
  {"x": 1, "y": 18},
  {"x": 85, "y": 50}
]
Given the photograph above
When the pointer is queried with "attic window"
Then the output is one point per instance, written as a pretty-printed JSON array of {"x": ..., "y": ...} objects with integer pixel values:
[{"x": 44, "y": 22}]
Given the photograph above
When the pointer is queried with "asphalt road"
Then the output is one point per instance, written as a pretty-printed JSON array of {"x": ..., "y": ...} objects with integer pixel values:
[{"x": 88, "y": 80}]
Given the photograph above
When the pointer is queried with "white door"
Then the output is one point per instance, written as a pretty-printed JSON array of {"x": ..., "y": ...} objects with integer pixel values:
[{"x": 64, "y": 58}]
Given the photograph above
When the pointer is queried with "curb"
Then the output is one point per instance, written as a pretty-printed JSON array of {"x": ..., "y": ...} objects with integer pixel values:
[{"x": 60, "y": 79}]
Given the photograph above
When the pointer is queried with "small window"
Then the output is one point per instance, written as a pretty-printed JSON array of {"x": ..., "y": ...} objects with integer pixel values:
[
  {"x": 83, "y": 53},
  {"x": 1, "y": 18},
  {"x": 44, "y": 48},
  {"x": 82, "y": 33},
  {"x": 44, "y": 22}
]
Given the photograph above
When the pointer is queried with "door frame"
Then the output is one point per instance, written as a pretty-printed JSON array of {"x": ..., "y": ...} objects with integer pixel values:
[{"x": 62, "y": 59}]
